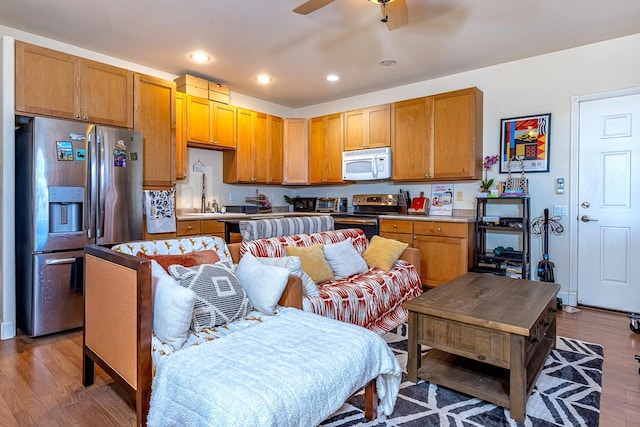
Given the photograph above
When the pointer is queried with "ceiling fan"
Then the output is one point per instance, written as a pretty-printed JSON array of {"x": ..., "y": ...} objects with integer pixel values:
[{"x": 394, "y": 12}]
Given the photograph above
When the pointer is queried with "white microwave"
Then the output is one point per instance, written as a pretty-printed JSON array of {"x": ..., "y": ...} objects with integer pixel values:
[{"x": 366, "y": 165}]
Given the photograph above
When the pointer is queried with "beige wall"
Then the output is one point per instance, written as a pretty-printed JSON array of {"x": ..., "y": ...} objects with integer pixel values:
[{"x": 543, "y": 84}]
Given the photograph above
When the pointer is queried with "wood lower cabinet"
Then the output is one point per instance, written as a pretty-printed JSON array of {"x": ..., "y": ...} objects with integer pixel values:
[
  {"x": 155, "y": 117},
  {"x": 210, "y": 124},
  {"x": 438, "y": 138},
  {"x": 325, "y": 149},
  {"x": 446, "y": 248},
  {"x": 295, "y": 157},
  {"x": 56, "y": 84},
  {"x": 205, "y": 227},
  {"x": 367, "y": 128}
]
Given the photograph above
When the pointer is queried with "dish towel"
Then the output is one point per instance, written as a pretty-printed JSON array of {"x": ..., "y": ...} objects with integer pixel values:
[{"x": 159, "y": 208}]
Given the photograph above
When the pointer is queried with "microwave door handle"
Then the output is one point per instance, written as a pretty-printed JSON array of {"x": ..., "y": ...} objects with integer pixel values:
[{"x": 375, "y": 166}]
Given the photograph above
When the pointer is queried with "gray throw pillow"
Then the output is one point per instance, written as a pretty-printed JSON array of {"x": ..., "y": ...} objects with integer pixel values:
[{"x": 219, "y": 297}]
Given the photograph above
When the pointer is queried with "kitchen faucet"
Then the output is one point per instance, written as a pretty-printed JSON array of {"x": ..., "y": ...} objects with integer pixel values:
[{"x": 202, "y": 207}]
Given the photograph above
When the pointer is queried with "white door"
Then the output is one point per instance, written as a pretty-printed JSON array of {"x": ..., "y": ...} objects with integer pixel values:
[{"x": 608, "y": 203}]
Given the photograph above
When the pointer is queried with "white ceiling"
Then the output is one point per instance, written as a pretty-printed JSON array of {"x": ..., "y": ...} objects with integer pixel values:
[{"x": 247, "y": 37}]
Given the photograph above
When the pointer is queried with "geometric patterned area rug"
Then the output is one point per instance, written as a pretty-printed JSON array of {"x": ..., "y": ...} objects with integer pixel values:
[{"x": 567, "y": 393}]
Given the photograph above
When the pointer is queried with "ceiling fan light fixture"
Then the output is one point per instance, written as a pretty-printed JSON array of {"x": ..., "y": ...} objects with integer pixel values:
[
  {"x": 381, "y": 1},
  {"x": 200, "y": 57}
]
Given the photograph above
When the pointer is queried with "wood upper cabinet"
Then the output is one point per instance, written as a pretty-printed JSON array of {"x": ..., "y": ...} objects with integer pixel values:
[
  {"x": 411, "y": 139},
  {"x": 367, "y": 128},
  {"x": 275, "y": 141},
  {"x": 155, "y": 117},
  {"x": 181, "y": 135},
  {"x": 457, "y": 135},
  {"x": 325, "y": 149},
  {"x": 248, "y": 163},
  {"x": 295, "y": 152},
  {"x": 57, "y": 84},
  {"x": 446, "y": 248},
  {"x": 210, "y": 124},
  {"x": 438, "y": 138}
]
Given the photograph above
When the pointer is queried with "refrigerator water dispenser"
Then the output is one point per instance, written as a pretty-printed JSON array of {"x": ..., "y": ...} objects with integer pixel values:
[{"x": 65, "y": 209}]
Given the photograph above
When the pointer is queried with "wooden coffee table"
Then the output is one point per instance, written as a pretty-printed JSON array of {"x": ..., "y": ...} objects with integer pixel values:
[{"x": 490, "y": 336}]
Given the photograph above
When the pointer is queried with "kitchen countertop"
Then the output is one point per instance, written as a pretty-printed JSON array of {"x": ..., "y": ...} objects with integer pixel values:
[
  {"x": 244, "y": 216},
  {"x": 240, "y": 216}
]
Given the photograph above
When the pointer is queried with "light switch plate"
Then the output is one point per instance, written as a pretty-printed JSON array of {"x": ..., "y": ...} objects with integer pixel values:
[{"x": 560, "y": 210}]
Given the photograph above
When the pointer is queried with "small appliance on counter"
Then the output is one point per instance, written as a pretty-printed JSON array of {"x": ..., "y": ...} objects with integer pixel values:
[
  {"x": 331, "y": 204},
  {"x": 304, "y": 204}
]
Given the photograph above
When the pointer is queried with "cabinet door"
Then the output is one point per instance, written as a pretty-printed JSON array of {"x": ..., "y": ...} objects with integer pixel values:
[
  {"x": 199, "y": 123},
  {"x": 275, "y": 139},
  {"x": 411, "y": 140},
  {"x": 260, "y": 159},
  {"x": 181, "y": 135},
  {"x": 355, "y": 135},
  {"x": 155, "y": 117},
  {"x": 45, "y": 82},
  {"x": 224, "y": 125},
  {"x": 243, "y": 156},
  {"x": 457, "y": 123},
  {"x": 295, "y": 155},
  {"x": 441, "y": 258},
  {"x": 316, "y": 150},
  {"x": 106, "y": 94},
  {"x": 333, "y": 149},
  {"x": 379, "y": 126}
]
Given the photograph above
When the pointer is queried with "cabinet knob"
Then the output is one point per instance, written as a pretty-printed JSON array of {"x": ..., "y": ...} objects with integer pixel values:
[
  {"x": 77, "y": 116},
  {"x": 395, "y": 225},
  {"x": 189, "y": 227},
  {"x": 438, "y": 229}
]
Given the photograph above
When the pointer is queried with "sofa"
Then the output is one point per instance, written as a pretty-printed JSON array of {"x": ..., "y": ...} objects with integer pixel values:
[
  {"x": 127, "y": 305},
  {"x": 367, "y": 295}
]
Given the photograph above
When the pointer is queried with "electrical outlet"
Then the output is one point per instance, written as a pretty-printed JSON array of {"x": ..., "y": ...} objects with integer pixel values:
[
  {"x": 458, "y": 196},
  {"x": 233, "y": 197}
]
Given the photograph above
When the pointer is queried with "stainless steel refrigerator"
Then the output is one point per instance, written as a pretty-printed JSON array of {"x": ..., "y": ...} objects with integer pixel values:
[{"x": 76, "y": 184}]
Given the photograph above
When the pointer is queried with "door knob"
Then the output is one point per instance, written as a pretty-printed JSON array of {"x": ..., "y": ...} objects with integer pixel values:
[{"x": 587, "y": 218}]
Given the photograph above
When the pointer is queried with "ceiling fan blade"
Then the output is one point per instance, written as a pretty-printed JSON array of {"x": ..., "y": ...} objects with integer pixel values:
[
  {"x": 397, "y": 14},
  {"x": 310, "y": 6}
]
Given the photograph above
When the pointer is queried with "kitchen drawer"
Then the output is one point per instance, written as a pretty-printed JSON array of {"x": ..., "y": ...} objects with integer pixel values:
[
  {"x": 449, "y": 229},
  {"x": 188, "y": 228},
  {"x": 211, "y": 226},
  {"x": 396, "y": 226}
]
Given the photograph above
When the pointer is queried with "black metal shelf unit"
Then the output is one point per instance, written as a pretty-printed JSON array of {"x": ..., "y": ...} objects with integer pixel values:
[{"x": 512, "y": 262}]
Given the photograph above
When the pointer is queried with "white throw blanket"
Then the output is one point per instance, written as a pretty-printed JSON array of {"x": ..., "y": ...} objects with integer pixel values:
[{"x": 296, "y": 369}]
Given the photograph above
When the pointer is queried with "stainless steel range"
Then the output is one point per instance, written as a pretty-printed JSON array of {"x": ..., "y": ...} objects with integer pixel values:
[{"x": 366, "y": 210}]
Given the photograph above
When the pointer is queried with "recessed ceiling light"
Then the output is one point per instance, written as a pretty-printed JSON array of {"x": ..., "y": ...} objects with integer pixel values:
[
  {"x": 263, "y": 79},
  {"x": 388, "y": 62},
  {"x": 333, "y": 77},
  {"x": 200, "y": 57}
]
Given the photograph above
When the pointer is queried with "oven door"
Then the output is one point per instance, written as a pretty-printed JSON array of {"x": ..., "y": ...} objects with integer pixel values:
[{"x": 368, "y": 224}]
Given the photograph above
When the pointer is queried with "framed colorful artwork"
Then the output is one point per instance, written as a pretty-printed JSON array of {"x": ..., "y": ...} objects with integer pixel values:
[{"x": 524, "y": 143}]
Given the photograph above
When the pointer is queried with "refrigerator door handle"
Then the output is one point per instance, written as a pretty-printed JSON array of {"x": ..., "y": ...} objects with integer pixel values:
[
  {"x": 58, "y": 261},
  {"x": 102, "y": 180},
  {"x": 91, "y": 189}
]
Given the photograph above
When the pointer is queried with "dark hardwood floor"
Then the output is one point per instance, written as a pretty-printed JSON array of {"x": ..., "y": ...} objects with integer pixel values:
[{"x": 40, "y": 379}]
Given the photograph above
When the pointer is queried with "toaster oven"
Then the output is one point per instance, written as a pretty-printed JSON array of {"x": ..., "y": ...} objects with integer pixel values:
[{"x": 331, "y": 204}]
